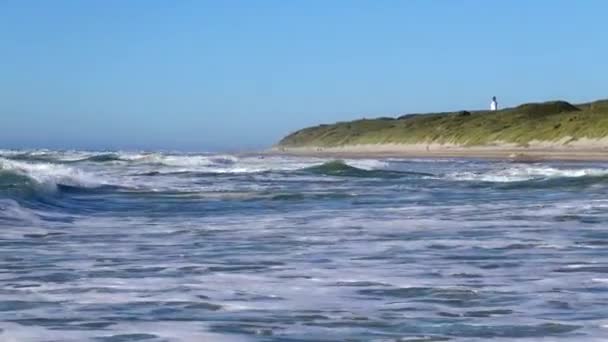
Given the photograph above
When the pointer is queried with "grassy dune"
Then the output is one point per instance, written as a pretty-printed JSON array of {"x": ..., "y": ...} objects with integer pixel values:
[{"x": 548, "y": 121}]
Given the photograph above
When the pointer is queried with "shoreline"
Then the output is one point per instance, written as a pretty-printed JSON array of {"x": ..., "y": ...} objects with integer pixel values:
[{"x": 585, "y": 150}]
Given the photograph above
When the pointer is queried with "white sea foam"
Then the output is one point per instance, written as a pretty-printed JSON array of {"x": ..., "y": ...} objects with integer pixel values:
[
  {"x": 12, "y": 214},
  {"x": 12, "y": 332},
  {"x": 264, "y": 267},
  {"x": 367, "y": 164},
  {"x": 51, "y": 175},
  {"x": 238, "y": 164},
  {"x": 524, "y": 173},
  {"x": 168, "y": 331},
  {"x": 182, "y": 160},
  {"x": 164, "y": 162}
]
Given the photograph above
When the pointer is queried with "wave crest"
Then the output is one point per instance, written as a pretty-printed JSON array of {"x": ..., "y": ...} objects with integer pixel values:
[
  {"x": 341, "y": 168},
  {"x": 526, "y": 173},
  {"x": 14, "y": 174}
]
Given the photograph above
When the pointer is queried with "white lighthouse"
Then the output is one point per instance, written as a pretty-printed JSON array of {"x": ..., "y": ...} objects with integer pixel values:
[{"x": 493, "y": 104}]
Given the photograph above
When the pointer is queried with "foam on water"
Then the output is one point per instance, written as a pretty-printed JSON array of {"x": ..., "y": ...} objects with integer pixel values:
[
  {"x": 525, "y": 173},
  {"x": 12, "y": 214},
  {"x": 51, "y": 175},
  {"x": 158, "y": 331},
  {"x": 259, "y": 248}
]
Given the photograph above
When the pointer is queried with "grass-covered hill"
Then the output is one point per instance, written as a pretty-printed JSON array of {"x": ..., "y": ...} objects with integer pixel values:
[{"x": 548, "y": 121}]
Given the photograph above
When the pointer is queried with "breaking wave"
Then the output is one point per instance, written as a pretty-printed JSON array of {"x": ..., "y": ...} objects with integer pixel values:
[
  {"x": 94, "y": 242},
  {"x": 168, "y": 163},
  {"x": 18, "y": 176},
  {"x": 157, "y": 172},
  {"x": 527, "y": 173}
]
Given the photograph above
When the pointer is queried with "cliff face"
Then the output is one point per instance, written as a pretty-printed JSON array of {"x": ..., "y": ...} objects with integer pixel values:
[{"x": 548, "y": 121}]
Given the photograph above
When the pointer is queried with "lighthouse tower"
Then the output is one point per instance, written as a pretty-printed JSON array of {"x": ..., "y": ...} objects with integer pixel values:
[{"x": 494, "y": 104}]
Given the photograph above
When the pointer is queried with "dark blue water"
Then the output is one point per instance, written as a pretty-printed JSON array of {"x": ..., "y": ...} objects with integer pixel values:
[{"x": 166, "y": 247}]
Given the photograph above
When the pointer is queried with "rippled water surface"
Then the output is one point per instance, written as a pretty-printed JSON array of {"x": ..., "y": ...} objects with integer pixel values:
[{"x": 205, "y": 247}]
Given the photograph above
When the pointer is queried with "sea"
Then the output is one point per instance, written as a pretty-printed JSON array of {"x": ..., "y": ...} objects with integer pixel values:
[{"x": 159, "y": 246}]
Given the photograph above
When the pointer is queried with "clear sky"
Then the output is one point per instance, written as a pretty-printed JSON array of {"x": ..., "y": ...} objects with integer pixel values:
[{"x": 227, "y": 74}]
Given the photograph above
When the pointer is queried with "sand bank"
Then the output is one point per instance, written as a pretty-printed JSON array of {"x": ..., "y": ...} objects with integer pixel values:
[{"x": 565, "y": 149}]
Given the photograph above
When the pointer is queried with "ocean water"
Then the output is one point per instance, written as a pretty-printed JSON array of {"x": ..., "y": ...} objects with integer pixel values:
[{"x": 207, "y": 247}]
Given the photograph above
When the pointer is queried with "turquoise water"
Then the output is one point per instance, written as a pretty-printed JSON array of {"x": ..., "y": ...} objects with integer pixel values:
[{"x": 206, "y": 247}]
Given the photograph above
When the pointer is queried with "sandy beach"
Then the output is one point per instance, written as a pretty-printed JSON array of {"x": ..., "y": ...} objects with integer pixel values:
[{"x": 579, "y": 150}]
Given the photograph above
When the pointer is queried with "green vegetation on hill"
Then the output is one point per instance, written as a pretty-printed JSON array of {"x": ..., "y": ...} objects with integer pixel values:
[{"x": 548, "y": 121}]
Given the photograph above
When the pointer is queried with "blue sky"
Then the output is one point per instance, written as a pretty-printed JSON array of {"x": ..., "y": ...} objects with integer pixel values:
[{"x": 208, "y": 75}]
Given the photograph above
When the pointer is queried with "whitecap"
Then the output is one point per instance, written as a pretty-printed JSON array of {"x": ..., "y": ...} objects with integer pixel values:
[
  {"x": 51, "y": 175},
  {"x": 524, "y": 173}
]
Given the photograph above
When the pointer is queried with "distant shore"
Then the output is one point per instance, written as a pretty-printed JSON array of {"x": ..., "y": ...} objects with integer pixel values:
[
  {"x": 581, "y": 150},
  {"x": 553, "y": 130}
]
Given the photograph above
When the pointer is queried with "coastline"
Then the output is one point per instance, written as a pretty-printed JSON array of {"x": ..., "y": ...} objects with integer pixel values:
[{"x": 580, "y": 150}]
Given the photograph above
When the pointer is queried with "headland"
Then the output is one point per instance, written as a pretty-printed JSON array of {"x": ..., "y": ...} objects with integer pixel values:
[{"x": 532, "y": 131}]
